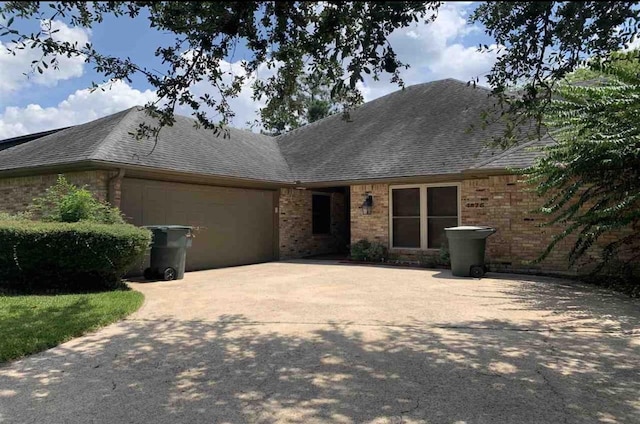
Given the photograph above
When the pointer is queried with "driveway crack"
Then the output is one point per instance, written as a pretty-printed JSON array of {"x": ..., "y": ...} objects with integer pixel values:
[{"x": 555, "y": 390}]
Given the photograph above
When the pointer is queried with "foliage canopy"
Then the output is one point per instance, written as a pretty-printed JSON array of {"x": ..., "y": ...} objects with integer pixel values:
[
  {"x": 590, "y": 179},
  {"x": 340, "y": 41},
  {"x": 539, "y": 43}
]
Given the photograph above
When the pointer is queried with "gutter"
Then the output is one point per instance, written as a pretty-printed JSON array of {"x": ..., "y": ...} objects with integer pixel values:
[
  {"x": 434, "y": 178},
  {"x": 138, "y": 171},
  {"x": 113, "y": 192}
]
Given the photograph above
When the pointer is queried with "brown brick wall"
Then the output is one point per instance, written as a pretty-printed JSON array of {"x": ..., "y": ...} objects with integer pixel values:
[
  {"x": 498, "y": 201},
  {"x": 507, "y": 205},
  {"x": 374, "y": 227},
  {"x": 17, "y": 193},
  {"x": 296, "y": 232}
]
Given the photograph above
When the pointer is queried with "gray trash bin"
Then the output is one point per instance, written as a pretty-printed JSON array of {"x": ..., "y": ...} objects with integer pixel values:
[
  {"x": 168, "y": 251},
  {"x": 466, "y": 249}
]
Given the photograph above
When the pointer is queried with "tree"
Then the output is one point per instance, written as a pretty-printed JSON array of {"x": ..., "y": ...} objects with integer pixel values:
[
  {"x": 540, "y": 43},
  {"x": 289, "y": 38},
  {"x": 312, "y": 102},
  {"x": 589, "y": 180},
  {"x": 591, "y": 177}
]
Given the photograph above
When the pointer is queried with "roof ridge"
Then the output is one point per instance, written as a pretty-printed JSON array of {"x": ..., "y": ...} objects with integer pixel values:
[
  {"x": 111, "y": 138},
  {"x": 274, "y": 139},
  {"x": 466, "y": 83},
  {"x": 395, "y": 92},
  {"x": 224, "y": 127}
]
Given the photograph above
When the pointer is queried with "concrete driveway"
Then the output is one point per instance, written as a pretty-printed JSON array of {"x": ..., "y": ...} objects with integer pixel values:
[{"x": 316, "y": 342}]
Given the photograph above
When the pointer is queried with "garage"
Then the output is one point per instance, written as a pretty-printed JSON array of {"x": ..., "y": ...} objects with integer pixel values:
[{"x": 233, "y": 226}]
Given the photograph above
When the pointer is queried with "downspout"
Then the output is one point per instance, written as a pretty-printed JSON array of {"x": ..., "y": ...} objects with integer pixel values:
[{"x": 115, "y": 184}]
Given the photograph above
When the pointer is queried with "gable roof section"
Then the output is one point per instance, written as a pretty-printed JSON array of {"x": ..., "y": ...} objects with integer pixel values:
[
  {"x": 422, "y": 130},
  {"x": 419, "y": 131},
  {"x": 181, "y": 148}
]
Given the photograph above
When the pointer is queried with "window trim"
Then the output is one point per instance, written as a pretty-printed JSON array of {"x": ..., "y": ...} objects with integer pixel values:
[
  {"x": 321, "y": 193},
  {"x": 424, "y": 241}
]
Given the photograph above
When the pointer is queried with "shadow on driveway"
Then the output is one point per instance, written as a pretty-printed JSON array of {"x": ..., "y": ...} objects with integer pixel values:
[{"x": 237, "y": 370}]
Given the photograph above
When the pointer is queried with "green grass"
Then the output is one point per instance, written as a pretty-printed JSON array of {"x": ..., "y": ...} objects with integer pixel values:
[{"x": 32, "y": 323}]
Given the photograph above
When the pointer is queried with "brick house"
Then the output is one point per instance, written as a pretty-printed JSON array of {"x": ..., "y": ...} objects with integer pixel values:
[{"x": 257, "y": 198}]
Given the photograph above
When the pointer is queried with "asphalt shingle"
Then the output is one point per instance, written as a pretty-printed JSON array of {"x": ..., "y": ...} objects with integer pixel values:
[
  {"x": 181, "y": 147},
  {"x": 74, "y": 144},
  {"x": 517, "y": 157},
  {"x": 424, "y": 129},
  {"x": 419, "y": 131}
]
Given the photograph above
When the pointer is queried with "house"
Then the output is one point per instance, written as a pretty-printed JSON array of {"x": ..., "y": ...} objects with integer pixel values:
[{"x": 257, "y": 198}]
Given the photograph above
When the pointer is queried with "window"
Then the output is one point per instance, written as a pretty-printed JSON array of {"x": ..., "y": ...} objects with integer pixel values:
[
  {"x": 420, "y": 213},
  {"x": 406, "y": 217},
  {"x": 442, "y": 212},
  {"x": 321, "y": 210}
]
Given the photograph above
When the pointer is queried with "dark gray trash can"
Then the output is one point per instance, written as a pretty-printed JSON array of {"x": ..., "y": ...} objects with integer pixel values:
[
  {"x": 466, "y": 249},
  {"x": 168, "y": 251}
]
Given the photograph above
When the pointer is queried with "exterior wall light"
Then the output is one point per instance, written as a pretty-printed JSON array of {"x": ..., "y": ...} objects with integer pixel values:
[{"x": 367, "y": 205}]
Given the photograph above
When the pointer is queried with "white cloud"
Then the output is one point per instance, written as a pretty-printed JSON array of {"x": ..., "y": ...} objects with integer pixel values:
[
  {"x": 82, "y": 106},
  {"x": 435, "y": 51},
  {"x": 86, "y": 105},
  {"x": 244, "y": 107},
  {"x": 13, "y": 67},
  {"x": 464, "y": 63}
]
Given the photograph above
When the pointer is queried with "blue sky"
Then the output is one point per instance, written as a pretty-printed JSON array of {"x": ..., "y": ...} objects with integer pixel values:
[{"x": 442, "y": 49}]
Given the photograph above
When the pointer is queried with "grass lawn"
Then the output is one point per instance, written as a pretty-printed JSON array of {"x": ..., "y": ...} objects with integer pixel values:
[{"x": 32, "y": 323}]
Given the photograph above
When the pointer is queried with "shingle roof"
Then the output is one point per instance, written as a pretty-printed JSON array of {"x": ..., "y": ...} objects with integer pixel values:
[
  {"x": 419, "y": 131},
  {"x": 74, "y": 144},
  {"x": 181, "y": 147},
  {"x": 517, "y": 157},
  {"x": 14, "y": 141}
]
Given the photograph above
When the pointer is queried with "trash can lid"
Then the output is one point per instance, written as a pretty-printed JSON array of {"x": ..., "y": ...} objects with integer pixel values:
[
  {"x": 167, "y": 227},
  {"x": 468, "y": 228}
]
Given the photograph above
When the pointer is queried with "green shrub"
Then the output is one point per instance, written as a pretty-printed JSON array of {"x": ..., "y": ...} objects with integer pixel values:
[
  {"x": 445, "y": 258},
  {"x": 5, "y": 216},
  {"x": 427, "y": 261},
  {"x": 377, "y": 252},
  {"x": 80, "y": 256},
  {"x": 64, "y": 202},
  {"x": 359, "y": 250},
  {"x": 364, "y": 250}
]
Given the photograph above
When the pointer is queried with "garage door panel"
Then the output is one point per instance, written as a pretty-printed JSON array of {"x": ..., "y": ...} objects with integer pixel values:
[{"x": 233, "y": 226}]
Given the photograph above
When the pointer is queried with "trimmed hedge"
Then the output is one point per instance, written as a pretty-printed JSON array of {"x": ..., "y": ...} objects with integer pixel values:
[{"x": 80, "y": 256}]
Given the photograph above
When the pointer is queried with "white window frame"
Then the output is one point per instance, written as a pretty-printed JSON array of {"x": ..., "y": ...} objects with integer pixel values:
[{"x": 424, "y": 240}]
